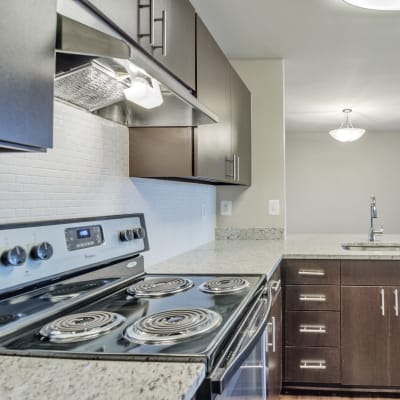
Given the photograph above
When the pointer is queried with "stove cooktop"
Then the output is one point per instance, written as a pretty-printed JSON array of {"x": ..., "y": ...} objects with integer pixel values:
[{"x": 122, "y": 340}]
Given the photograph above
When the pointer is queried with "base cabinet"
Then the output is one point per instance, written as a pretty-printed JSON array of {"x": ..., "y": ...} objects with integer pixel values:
[{"x": 354, "y": 347}]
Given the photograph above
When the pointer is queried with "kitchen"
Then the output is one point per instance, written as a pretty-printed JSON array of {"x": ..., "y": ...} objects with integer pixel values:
[{"x": 88, "y": 173}]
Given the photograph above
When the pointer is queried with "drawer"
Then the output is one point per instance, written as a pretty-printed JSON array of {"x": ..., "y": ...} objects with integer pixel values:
[
  {"x": 371, "y": 272},
  {"x": 312, "y": 328},
  {"x": 312, "y": 365},
  {"x": 312, "y": 297},
  {"x": 312, "y": 272}
]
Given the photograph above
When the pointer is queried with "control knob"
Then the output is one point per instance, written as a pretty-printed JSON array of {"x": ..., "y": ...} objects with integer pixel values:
[
  {"x": 139, "y": 233},
  {"x": 126, "y": 235},
  {"x": 42, "y": 251},
  {"x": 14, "y": 257}
]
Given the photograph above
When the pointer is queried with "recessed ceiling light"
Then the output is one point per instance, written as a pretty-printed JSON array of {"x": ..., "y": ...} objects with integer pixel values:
[{"x": 383, "y": 5}]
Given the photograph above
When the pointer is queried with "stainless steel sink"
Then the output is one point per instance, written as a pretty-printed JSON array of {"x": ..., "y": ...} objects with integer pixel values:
[{"x": 371, "y": 246}]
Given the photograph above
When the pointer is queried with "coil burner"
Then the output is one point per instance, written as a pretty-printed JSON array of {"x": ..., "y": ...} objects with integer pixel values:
[
  {"x": 159, "y": 287},
  {"x": 172, "y": 326},
  {"x": 224, "y": 285},
  {"x": 83, "y": 326}
]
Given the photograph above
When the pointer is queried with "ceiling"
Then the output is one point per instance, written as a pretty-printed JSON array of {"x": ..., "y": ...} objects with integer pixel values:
[{"x": 336, "y": 56}]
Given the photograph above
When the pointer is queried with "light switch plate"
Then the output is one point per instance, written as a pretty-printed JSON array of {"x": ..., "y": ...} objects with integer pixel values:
[
  {"x": 226, "y": 207},
  {"x": 274, "y": 207}
]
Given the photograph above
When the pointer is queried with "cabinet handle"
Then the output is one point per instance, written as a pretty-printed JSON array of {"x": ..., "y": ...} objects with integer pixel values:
[
  {"x": 312, "y": 329},
  {"x": 312, "y": 297},
  {"x": 312, "y": 364},
  {"x": 150, "y": 35},
  {"x": 276, "y": 285},
  {"x": 396, "y": 302},
  {"x": 273, "y": 326},
  {"x": 234, "y": 167},
  {"x": 238, "y": 168},
  {"x": 383, "y": 302},
  {"x": 163, "y": 45},
  {"x": 311, "y": 272}
]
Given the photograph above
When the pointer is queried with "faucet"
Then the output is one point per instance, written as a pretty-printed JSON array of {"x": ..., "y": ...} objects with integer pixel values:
[{"x": 373, "y": 214}]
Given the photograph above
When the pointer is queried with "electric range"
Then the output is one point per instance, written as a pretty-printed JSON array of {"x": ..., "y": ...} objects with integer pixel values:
[{"x": 77, "y": 289}]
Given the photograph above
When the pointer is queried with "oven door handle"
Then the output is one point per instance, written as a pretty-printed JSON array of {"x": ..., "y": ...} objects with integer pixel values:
[{"x": 242, "y": 344}]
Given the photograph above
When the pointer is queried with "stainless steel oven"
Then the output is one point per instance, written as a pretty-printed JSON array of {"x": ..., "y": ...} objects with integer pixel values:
[{"x": 77, "y": 289}]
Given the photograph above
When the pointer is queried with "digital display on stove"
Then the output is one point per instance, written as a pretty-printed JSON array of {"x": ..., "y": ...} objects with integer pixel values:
[
  {"x": 83, "y": 237},
  {"x": 83, "y": 233}
]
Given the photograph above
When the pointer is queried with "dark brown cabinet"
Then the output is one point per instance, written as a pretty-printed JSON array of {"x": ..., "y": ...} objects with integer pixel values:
[
  {"x": 312, "y": 322},
  {"x": 122, "y": 14},
  {"x": 241, "y": 130},
  {"x": 166, "y": 30},
  {"x": 217, "y": 153},
  {"x": 275, "y": 349},
  {"x": 27, "y": 42},
  {"x": 370, "y": 323},
  {"x": 365, "y": 334},
  {"x": 213, "y": 142}
]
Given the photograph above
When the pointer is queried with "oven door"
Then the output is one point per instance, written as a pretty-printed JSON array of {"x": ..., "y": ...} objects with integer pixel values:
[{"x": 242, "y": 370}]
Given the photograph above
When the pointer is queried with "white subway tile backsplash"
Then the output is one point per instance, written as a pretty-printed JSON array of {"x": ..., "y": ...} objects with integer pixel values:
[{"x": 86, "y": 174}]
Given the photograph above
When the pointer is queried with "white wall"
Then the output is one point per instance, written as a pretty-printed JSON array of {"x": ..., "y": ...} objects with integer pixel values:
[
  {"x": 265, "y": 79},
  {"x": 86, "y": 174},
  {"x": 329, "y": 183}
]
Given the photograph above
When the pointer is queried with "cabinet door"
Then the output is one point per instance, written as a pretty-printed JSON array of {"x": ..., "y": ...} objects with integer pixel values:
[
  {"x": 27, "y": 42},
  {"x": 174, "y": 38},
  {"x": 394, "y": 339},
  {"x": 364, "y": 335},
  {"x": 213, "y": 142},
  {"x": 241, "y": 129},
  {"x": 275, "y": 349},
  {"x": 122, "y": 14}
]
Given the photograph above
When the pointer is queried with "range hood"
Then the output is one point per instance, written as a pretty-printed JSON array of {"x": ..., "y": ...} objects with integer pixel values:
[{"x": 94, "y": 69}]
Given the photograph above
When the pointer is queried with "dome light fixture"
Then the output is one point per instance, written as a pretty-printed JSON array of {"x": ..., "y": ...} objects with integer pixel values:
[
  {"x": 382, "y": 5},
  {"x": 346, "y": 132}
]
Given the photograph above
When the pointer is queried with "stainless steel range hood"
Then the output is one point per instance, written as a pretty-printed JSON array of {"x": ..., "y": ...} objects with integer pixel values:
[{"x": 94, "y": 69}]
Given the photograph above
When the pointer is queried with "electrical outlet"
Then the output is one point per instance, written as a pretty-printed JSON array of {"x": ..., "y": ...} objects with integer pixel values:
[
  {"x": 226, "y": 207},
  {"x": 274, "y": 207}
]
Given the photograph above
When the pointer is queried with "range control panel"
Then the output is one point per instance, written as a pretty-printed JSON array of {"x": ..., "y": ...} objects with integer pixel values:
[
  {"x": 34, "y": 251},
  {"x": 83, "y": 237}
]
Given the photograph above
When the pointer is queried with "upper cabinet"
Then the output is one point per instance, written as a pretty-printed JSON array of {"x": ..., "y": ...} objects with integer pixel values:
[
  {"x": 219, "y": 153},
  {"x": 213, "y": 142},
  {"x": 174, "y": 38},
  {"x": 241, "y": 130},
  {"x": 163, "y": 28},
  {"x": 121, "y": 14},
  {"x": 27, "y": 43}
]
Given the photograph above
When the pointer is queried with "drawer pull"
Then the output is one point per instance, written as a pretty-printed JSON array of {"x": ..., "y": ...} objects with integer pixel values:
[
  {"x": 311, "y": 272},
  {"x": 275, "y": 285},
  {"x": 312, "y": 329},
  {"x": 312, "y": 297},
  {"x": 312, "y": 364}
]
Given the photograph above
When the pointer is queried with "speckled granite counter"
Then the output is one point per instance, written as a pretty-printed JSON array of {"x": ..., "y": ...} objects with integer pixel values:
[
  {"x": 25, "y": 378},
  {"x": 50, "y": 379}
]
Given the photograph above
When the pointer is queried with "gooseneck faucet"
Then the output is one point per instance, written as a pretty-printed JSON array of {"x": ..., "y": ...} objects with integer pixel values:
[{"x": 373, "y": 214}]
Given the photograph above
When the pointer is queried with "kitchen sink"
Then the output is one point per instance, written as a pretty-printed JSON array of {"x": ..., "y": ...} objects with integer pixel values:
[{"x": 371, "y": 246}]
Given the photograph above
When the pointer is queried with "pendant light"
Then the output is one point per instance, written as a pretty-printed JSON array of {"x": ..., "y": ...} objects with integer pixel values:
[
  {"x": 383, "y": 5},
  {"x": 346, "y": 132}
]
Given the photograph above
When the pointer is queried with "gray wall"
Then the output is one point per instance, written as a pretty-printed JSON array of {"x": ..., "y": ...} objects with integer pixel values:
[{"x": 329, "y": 183}]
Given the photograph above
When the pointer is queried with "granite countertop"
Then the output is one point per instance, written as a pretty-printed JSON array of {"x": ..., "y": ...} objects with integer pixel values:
[
  {"x": 43, "y": 378},
  {"x": 32, "y": 378}
]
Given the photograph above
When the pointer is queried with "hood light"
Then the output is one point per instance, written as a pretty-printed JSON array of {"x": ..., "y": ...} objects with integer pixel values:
[
  {"x": 383, "y": 5},
  {"x": 143, "y": 94},
  {"x": 346, "y": 132}
]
